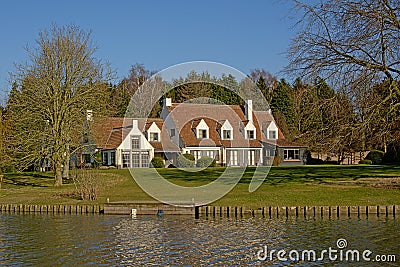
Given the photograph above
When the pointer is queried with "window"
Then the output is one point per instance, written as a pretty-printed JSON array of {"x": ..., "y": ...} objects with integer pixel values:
[
  {"x": 272, "y": 134},
  {"x": 172, "y": 133},
  {"x": 251, "y": 157},
  {"x": 154, "y": 137},
  {"x": 202, "y": 134},
  {"x": 135, "y": 159},
  {"x": 227, "y": 134},
  {"x": 233, "y": 158},
  {"x": 86, "y": 158},
  {"x": 105, "y": 158},
  {"x": 135, "y": 142},
  {"x": 126, "y": 159},
  {"x": 112, "y": 161},
  {"x": 250, "y": 134},
  {"x": 145, "y": 159},
  {"x": 291, "y": 154}
]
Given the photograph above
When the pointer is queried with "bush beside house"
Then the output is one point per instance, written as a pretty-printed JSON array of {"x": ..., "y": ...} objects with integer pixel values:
[
  {"x": 205, "y": 162},
  {"x": 186, "y": 161},
  {"x": 157, "y": 162}
]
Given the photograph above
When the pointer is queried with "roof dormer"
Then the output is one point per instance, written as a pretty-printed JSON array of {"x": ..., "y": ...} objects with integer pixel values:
[
  {"x": 202, "y": 130},
  {"x": 226, "y": 130},
  {"x": 272, "y": 131},
  {"x": 153, "y": 133},
  {"x": 249, "y": 130}
]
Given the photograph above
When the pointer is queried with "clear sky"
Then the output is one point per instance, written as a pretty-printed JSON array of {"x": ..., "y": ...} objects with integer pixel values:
[{"x": 242, "y": 34}]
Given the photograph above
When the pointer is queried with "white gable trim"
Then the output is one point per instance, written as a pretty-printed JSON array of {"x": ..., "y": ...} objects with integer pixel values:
[
  {"x": 126, "y": 144},
  {"x": 153, "y": 128}
]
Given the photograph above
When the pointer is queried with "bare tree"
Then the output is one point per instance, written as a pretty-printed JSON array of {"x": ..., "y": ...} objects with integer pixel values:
[
  {"x": 54, "y": 90},
  {"x": 352, "y": 41},
  {"x": 355, "y": 46}
]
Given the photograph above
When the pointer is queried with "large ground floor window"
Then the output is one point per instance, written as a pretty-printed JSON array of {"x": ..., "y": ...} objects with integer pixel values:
[
  {"x": 198, "y": 154},
  {"x": 109, "y": 158},
  {"x": 291, "y": 154},
  {"x": 126, "y": 160},
  {"x": 140, "y": 159},
  {"x": 243, "y": 157}
]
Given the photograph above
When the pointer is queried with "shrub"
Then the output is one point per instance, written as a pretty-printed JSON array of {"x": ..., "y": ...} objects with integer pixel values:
[
  {"x": 186, "y": 161},
  {"x": 277, "y": 161},
  {"x": 98, "y": 159},
  {"x": 365, "y": 161},
  {"x": 315, "y": 161},
  {"x": 205, "y": 162},
  {"x": 157, "y": 162},
  {"x": 87, "y": 184},
  {"x": 375, "y": 156}
]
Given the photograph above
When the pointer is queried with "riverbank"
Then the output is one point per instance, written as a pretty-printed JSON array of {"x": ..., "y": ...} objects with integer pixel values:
[
  {"x": 159, "y": 209},
  {"x": 284, "y": 187}
]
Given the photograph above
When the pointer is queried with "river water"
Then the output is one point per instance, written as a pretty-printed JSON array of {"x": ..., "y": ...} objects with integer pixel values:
[{"x": 99, "y": 240}]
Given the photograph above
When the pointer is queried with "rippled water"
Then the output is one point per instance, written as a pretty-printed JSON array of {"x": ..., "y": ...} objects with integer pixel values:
[{"x": 97, "y": 240}]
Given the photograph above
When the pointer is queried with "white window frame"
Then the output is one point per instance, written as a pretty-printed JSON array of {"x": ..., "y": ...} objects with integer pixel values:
[
  {"x": 152, "y": 135},
  {"x": 248, "y": 135},
  {"x": 135, "y": 137},
  {"x": 272, "y": 134},
  {"x": 296, "y": 154},
  {"x": 126, "y": 159},
  {"x": 202, "y": 131},
  {"x": 225, "y": 137}
]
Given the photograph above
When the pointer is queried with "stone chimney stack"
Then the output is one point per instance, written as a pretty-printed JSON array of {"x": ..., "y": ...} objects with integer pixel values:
[{"x": 249, "y": 110}]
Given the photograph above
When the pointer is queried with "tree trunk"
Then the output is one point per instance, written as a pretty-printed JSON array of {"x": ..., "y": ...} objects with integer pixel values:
[
  {"x": 58, "y": 174},
  {"x": 65, "y": 170}
]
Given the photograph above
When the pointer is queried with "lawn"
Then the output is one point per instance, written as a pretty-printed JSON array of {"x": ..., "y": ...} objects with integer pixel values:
[{"x": 284, "y": 186}]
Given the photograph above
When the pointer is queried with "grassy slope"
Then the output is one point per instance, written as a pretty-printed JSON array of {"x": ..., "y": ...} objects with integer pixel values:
[{"x": 284, "y": 186}]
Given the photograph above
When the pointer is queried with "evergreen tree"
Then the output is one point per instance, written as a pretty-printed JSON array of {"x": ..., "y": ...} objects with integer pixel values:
[{"x": 282, "y": 101}]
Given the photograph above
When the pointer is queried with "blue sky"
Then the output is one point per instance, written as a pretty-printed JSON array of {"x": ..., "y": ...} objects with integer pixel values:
[{"x": 242, "y": 34}]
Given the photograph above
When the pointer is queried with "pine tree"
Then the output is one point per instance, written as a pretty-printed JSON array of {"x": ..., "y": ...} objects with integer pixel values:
[{"x": 282, "y": 101}]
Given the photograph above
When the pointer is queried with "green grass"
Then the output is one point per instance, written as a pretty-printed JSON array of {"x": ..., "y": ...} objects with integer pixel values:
[{"x": 284, "y": 186}]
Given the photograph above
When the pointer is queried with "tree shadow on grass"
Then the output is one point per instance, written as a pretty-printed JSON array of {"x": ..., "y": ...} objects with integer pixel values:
[
  {"x": 282, "y": 175},
  {"x": 28, "y": 179}
]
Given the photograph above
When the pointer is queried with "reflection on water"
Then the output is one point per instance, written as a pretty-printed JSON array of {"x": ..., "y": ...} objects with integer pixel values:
[{"x": 96, "y": 240}]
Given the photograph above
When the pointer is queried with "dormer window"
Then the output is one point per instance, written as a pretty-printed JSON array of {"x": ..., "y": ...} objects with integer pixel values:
[
  {"x": 154, "y": 137},
  {"x": 227, "y": 134},
  {"x": 272, "y": 134},
  {"x": 153, "y": 133},
  {"x": 249, "y": 131},
  {"x": 250, "y": 134},
  {"x": 202, "y": 130},
  {"x": 226, "y": 130},
  {"x": 202, "y": 134}
]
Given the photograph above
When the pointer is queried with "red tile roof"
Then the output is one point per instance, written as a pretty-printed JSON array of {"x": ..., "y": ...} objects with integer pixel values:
[
  {"x": 117, "y": 134},
  {"x": 188, "y": 115}
]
